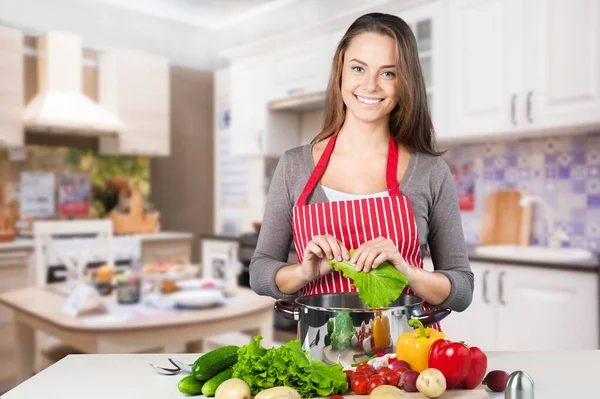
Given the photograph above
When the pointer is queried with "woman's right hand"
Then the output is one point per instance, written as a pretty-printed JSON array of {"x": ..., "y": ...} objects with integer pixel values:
[{"x": 318, "y": 252}]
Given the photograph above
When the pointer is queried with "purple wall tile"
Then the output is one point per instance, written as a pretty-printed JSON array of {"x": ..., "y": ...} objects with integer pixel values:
[{"x": 565, "y": 171}]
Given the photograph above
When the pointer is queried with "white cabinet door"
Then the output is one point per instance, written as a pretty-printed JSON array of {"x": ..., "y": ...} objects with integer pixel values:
[
  {"x": 11, "y": 87},
  {"x": 541, "y": 309},
  {"x": 428, "y": 25},
  {"x": 300, "y": 69},
  {"x": 485, "y": 74},
  {"x": 563, "y": 63},
  {"x": 248, "y": 107},
  {"x": 477, "y": 324}
]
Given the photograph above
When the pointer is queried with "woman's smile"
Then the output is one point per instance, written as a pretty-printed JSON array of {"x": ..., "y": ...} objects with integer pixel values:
[{"x": 368, "y": 102}]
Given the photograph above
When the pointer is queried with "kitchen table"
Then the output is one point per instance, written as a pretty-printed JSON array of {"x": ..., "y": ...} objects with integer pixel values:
[
  {"x": 555, "y": 374},
  {"x": 41, "y": 309}
]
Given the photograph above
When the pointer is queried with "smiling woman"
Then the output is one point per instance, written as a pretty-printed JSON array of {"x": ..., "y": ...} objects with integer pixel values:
[{"x": 371, "y": 181}]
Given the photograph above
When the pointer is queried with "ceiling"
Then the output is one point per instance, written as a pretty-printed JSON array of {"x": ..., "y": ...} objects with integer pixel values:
[{"x": 188, "y": 32}]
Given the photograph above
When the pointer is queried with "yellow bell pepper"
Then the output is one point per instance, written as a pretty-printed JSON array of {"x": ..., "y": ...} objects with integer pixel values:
[
  {"x": 381, "y": 332},
  {"x": 413, "y": 346}
]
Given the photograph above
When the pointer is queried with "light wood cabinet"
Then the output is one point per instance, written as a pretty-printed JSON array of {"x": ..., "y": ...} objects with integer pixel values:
[
  {"x": 13, "y": 275},
  {"x": 136, "y": 88},
  {"x": 520, "y": 308},
  {"x": 522, "y": 68},
  {"x": 158, "y": 251},
  {"x": 11, "y": 87}
]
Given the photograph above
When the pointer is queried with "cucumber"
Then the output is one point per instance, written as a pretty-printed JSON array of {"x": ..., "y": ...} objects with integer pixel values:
[
  {"x": 215, "y": 361},
  {"x": 189, "y": 385},
  {"x": 210, "y": 387}
]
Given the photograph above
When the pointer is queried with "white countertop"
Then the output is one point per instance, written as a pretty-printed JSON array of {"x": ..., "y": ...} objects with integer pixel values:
[
  {"x": 27, "y": 243},
  {"x": 556, "y": 375}
]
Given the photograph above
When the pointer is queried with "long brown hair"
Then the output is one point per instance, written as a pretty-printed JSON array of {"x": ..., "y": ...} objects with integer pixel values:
[{"x": 410, "y": 121}]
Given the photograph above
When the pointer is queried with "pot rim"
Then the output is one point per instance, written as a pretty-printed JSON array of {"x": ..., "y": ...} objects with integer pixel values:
[{"x": 356, "y": 310}]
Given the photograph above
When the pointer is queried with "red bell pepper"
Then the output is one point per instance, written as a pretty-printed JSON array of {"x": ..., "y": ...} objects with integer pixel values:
[
  {"x": 477, "y": 369},
  {"x": 453, "y": 359}
]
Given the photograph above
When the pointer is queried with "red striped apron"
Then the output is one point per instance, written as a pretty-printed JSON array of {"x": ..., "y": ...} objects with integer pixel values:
[{"x": 355, "y": 222}]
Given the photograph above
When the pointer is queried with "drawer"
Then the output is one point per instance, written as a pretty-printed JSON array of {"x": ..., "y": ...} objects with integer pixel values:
[{"x": 157, "y": 251}]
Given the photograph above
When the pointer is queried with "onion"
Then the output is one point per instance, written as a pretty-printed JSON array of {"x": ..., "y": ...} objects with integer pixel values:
[{"x": 396, "y": 364}]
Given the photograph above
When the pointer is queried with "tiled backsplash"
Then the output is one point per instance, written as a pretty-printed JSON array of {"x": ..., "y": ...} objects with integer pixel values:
[{"x": 564, "y": 171}]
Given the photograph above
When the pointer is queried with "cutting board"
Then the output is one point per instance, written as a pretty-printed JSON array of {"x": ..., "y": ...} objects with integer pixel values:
[{"x": 505, "y": 221}]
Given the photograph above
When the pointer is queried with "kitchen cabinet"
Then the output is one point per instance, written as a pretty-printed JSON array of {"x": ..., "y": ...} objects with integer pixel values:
[
  {"x": 136, "y": 88},
  {"x": 256, "y": 130},
  {"x": 428, "y": 24},
  {"x": 300, "y": 69},
  {"x": 13, "y": 275},
  {"x": 518, "y": 308},
  {"x": 523, "y": 67},
  {"x": 11, "y": 87}
]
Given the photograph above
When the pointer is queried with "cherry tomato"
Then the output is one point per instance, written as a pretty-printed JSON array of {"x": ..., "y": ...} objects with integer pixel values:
[
  {"x": 366, "y": 368},
  {"x": 349, "y": 374},
  {"x": 392, "y": 378},
  {"x": 337, "y": 397},
  {"x": 374, "y": 382},
  {"x": 360, "y": 384},
  {"x": 400, "y": 370},
  {"x": 383, "y": 371}
]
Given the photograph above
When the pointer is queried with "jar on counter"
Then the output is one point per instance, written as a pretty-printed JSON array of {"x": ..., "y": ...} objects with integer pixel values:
[{"x": 129, "y": 286}]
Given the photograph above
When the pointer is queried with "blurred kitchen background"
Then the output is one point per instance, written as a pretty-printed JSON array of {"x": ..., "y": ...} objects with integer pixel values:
[{"x": 168, "y": 118}]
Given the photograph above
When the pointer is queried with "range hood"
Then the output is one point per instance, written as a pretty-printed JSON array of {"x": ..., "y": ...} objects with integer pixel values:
[{"x": 59, "y": 105}]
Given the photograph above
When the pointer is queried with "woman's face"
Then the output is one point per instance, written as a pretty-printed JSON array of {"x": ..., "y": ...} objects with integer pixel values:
[{"x": 369, "y": 77}]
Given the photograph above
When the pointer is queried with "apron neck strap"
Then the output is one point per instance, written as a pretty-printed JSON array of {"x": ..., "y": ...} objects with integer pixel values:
[{"x": 391, "y": 170}]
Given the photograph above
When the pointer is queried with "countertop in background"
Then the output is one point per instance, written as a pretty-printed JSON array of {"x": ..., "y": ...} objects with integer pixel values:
[{"x": 27, "y": 243}]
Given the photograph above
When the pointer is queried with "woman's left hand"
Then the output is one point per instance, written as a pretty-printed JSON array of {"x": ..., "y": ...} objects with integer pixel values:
[{"x": 373, "y": 253}]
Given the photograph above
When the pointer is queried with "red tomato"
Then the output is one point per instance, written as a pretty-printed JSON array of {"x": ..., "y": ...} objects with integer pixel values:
[
  {"x": 374, "y": 382},
  {"x": 400, "y": 370},
  {"x": 360, "y": 384},
  {"x": 366, "y": 368},
  {"x": 392, "y": 378},
  {"x": 337, "y": 397},
  {"x": 383, "y": 371},
  {"x": 349, "y": 374}
]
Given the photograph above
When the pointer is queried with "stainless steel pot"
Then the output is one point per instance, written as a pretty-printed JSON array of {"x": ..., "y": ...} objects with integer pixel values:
[{"x": 317, "y": 316}]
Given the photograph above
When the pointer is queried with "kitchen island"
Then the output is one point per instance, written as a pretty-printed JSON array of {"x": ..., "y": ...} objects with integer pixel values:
[{"x": 569, "y": 374}]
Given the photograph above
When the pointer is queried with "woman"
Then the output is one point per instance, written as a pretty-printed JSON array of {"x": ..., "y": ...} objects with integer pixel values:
[{"x": 378, "y": 186}]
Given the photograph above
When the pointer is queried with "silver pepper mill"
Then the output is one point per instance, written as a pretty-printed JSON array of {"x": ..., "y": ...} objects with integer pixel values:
[{"x": 519, "y": 386}]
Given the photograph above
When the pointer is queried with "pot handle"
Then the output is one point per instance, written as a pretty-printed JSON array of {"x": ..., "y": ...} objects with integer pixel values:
[
  {"x": 287, "y": 309},
  {"x": 433, "y": 316}
]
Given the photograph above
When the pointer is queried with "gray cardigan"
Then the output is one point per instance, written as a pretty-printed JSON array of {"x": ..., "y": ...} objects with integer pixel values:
[{"x": 431, "y": 190}]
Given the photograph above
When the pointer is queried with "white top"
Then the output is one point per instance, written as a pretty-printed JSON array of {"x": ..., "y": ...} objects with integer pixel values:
[
  {"x": 555, "y": 375},
  {"x": 334, "y": 195}
]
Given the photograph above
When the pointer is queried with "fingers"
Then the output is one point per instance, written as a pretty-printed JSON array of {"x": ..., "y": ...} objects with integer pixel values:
[
  {"x": 372, "y": 253},
  {"x": 329, "y": 247},
  {"x": 315, "y": 249}
]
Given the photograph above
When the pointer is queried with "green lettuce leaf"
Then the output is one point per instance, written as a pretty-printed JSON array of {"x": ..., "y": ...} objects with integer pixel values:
[
  {"x": 288, "y": 365},
  {"x": 379, "y": 287}
]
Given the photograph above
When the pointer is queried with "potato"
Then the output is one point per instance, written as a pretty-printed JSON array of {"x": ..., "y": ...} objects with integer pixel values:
[
  {"x": 387, "y": 392},
  {"x": 233, "y": 388},
  {"x": 279, "y": 392},
  {"x": 431, "y": 383}
]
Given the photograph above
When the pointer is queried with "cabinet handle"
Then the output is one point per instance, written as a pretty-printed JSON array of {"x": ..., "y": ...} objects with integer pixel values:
[
  {"x": 260, "y": 141},
  {"x": 485, "y": 297},
  {"x": 513, "y": 109},
  {"x": 501, "y": 288},
  {"x": 529, "y": 97},
  {"x": 291, "y": 92}
]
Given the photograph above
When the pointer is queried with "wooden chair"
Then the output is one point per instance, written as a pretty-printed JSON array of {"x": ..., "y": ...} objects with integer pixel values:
[{"x": 50, "y": 243}]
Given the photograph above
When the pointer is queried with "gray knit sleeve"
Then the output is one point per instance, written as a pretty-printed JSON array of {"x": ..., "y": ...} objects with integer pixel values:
[
  {"x": 446, "y": 239},
  {"x": 275, "y": 237}
]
